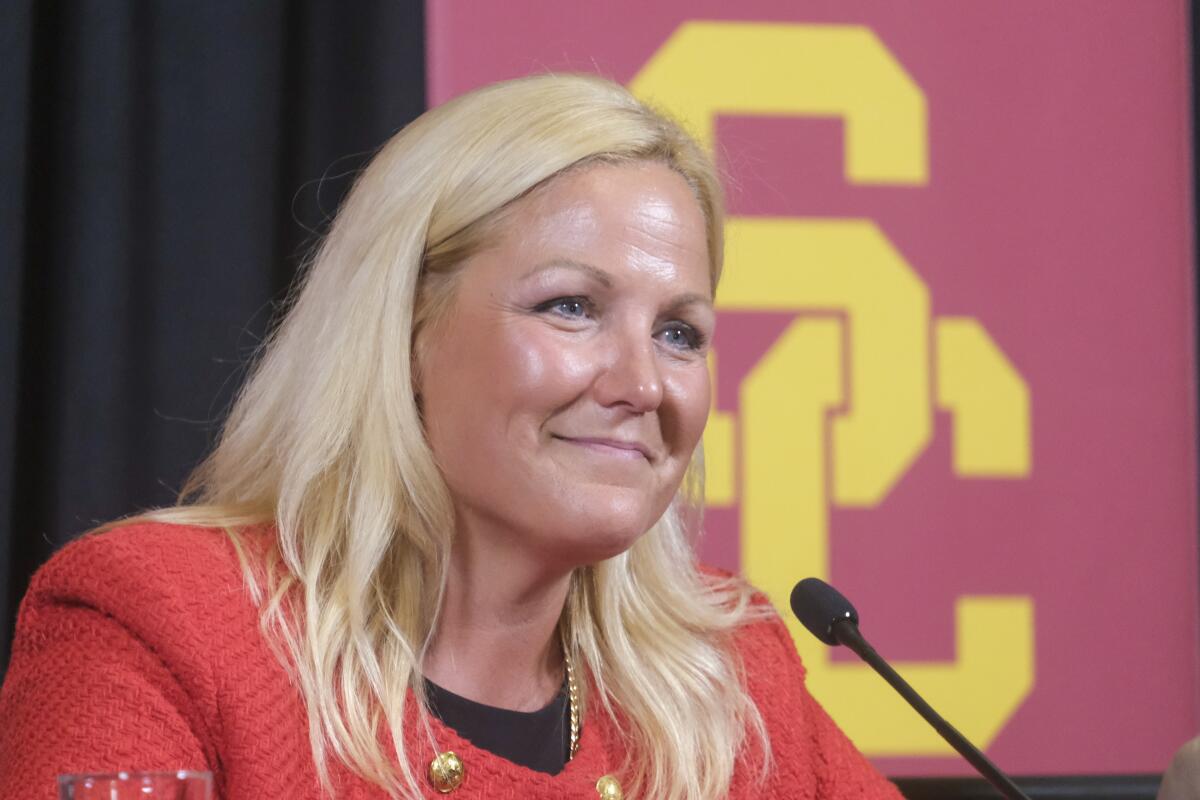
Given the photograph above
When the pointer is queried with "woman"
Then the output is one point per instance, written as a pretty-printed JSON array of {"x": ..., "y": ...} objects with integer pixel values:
[{"x": 440, "y": 546}]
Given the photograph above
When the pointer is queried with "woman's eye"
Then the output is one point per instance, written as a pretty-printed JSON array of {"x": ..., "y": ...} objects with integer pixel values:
[
  {"x": 569, "y": 307},
  {"x": 682, "y": 336}
]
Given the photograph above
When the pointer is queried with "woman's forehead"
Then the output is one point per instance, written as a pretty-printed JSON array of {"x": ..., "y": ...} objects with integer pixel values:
[{"x": 642, "y": 216}]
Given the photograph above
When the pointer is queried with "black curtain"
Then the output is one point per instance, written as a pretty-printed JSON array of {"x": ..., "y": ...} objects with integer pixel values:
[{"x": 165, "y": 167}]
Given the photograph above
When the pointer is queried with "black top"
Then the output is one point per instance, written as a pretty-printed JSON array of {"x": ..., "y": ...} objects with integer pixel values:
[{"x": 535, "y": 739}]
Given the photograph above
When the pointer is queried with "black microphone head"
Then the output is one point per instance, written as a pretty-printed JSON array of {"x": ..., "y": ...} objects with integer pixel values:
[{"x": 818, "y": 606}]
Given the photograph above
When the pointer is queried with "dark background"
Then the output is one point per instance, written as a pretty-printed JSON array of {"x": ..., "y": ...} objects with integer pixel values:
[{"x": 165, "y": 168}]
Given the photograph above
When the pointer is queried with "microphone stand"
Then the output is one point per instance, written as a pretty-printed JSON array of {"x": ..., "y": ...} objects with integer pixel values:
[{"x": 846, "y": 632}]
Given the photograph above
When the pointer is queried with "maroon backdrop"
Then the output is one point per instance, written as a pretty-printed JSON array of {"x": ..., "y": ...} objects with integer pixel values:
[{"x": 1055, "y": 212}]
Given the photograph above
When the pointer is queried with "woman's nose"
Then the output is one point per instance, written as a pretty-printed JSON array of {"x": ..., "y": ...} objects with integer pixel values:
[{"x": 631, "y": 376}]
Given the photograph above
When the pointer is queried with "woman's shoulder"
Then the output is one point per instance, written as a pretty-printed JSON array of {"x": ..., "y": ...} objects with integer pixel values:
[
  {"x": 146, "y": 631},
  {"x": 762, "y": 640},
  {"x": 144, "y": 554},
  {"x": 145, "y": 571},
  {"x": 808, "y": 747},
  {"x": 177, "y": 592}
]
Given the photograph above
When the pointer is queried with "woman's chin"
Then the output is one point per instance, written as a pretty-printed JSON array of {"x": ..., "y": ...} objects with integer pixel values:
[
  {"x": 603, "y": 550},
  {"x": 605, "y": 536}
]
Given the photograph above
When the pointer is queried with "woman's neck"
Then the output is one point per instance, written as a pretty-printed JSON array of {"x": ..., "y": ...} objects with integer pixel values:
[{"x": 496, "y": 640}]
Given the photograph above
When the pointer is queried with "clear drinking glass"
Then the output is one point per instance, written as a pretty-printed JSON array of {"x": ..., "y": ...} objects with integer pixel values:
[{"x": 182, "y": 785}]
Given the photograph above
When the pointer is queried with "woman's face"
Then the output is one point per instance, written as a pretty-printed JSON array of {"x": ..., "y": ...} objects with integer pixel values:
[{"x": 566, "y": 389}]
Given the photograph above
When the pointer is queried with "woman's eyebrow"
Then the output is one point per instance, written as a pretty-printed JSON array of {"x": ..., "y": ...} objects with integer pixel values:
[
  {"x": 691, "y": 299},
  {"x": 595, "y": 273},
  {"x": 604, "y": 279}
]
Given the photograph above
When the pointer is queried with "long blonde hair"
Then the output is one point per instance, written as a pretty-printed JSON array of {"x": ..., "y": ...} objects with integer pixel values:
[{"x": 325, "y": 442}]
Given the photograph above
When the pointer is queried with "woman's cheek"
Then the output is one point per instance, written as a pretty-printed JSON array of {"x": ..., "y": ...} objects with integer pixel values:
[
  {"x": 565, "y": 363},
  {"x": 691, "y": 395},
  {"x": 523, "y": 354},
  {"x": 527, "y": 365}
]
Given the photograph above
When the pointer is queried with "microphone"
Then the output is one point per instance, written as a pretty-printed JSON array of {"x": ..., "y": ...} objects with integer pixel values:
[{"x": 829, "y": 616}]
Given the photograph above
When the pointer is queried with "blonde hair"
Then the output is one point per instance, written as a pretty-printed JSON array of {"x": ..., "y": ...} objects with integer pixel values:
[{"x": 325, "y": 441}]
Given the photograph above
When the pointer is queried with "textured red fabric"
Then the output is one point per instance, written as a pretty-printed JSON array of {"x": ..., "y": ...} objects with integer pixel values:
[{"x": 140, "y": 649}]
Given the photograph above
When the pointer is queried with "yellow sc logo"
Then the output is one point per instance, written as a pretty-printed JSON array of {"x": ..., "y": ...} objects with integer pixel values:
[{"x": 873, "y": 371}]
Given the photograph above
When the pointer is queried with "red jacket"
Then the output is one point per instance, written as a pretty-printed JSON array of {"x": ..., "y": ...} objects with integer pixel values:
[{"x": 140, "y": 649}]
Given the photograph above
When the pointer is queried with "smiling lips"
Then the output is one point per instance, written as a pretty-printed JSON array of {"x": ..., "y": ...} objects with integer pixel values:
[{"x": 611, "y": 447}]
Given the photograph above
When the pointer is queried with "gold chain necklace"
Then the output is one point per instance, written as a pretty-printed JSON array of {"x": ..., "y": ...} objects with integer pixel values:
[{"x": 572, "y": 703}]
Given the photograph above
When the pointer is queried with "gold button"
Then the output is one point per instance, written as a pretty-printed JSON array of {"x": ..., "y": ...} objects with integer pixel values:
[
  {"x": 608, "y": 788},
  {"x": 446, "y": 772}
]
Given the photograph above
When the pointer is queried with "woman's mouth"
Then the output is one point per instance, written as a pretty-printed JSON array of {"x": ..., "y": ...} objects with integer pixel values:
[{"x": 616, "y": 448}]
